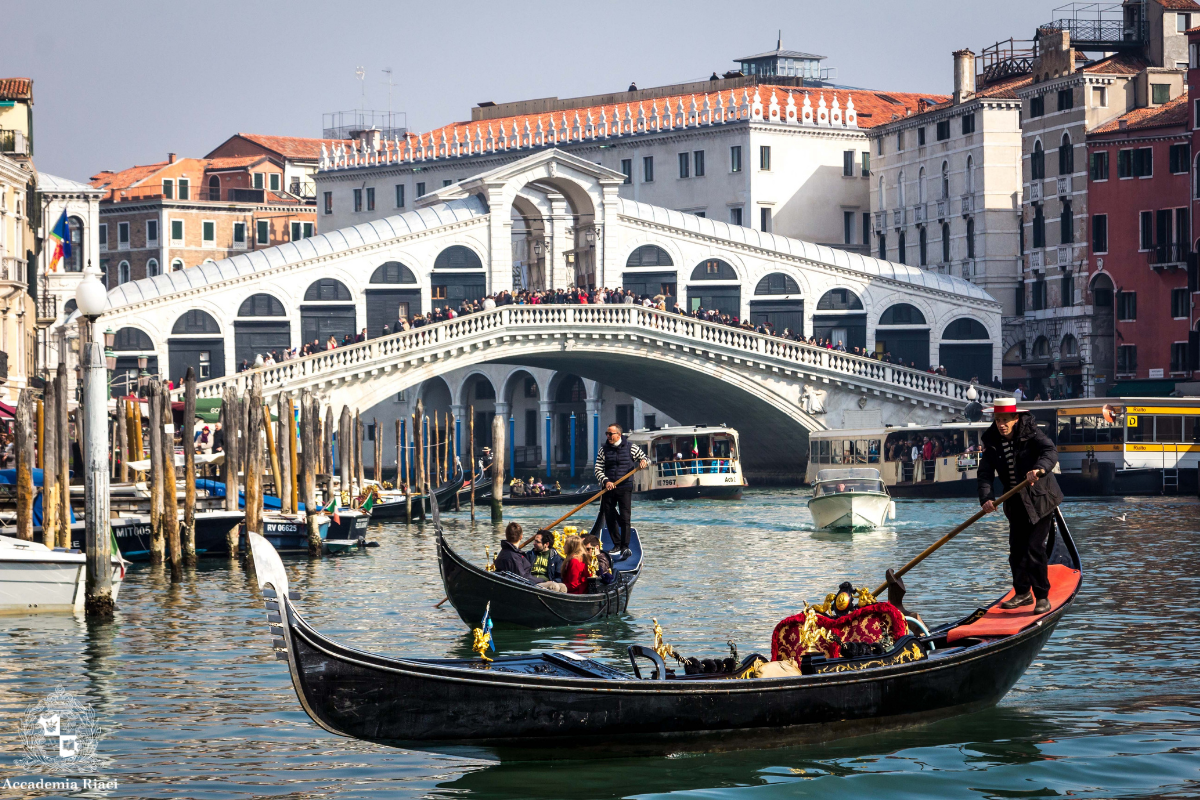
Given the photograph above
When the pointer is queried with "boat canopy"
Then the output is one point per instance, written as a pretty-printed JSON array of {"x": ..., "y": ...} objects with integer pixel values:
[{"x": 853, "y": 474}]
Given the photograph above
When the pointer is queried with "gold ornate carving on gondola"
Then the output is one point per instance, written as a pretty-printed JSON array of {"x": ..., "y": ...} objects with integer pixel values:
[{"x": 909, "y": 654}]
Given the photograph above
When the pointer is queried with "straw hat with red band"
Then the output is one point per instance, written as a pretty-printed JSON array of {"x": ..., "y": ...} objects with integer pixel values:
[{"x": 1006, "y": 405}]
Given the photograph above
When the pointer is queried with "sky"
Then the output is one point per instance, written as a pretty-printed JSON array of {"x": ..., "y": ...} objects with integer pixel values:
[{"x": 119, "y": 83}]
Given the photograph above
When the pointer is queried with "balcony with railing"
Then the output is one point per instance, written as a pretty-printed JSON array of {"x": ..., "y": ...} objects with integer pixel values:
[
  {"x": 898, "y": 217},
  {"x": 880, "y": 221},
  {"x": 1037, "y": 259},
  {"x": 13, "y": 143},
  {"x": 919, "y": 214},
  {"x": 1063, "y": 185},
  {"x": 12, "y": 269},
  {"x": 968, "y": 204},
  {"x": 1168, "y": 256},
  {"x": 941, "y": 208},
  {"x": 1005, "y": 60},
  {"x": 1102, "y": 27}
]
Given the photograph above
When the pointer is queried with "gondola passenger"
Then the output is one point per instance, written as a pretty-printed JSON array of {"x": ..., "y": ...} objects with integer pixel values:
[
  {"x": 510, "y": 559},
  {"x": 545, "y": 564},
  {"x": 598, "y": 563},
  {"x": 574, "y": 571}
]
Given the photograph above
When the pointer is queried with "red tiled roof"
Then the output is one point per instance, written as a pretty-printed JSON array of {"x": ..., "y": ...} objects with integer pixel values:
[
  {"x": 234, "y": 162},
  {"x": 16, "y": 89},
  {"x": 872, "y": 108},
  {"x": 126, "y": 177},
  {"x": 1119, "y": 64},
  {"x": 132, "y": 182},
  {"x": 1003, "y": 88},
  {"x": 292, "y": 147},
  {"x": 1167, "y": 115},
  {"x": 1179, "y": 5}
]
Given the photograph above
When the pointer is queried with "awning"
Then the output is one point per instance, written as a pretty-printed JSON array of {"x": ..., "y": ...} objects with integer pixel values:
[
  {"x": 1143, "y": 388},
  {"x": 7, "y": 411}
]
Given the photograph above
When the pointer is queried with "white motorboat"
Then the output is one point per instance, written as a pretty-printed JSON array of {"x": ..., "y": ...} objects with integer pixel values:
[
  {"x": 34, "y": 578},
  {"x": 850, "y": 499}
]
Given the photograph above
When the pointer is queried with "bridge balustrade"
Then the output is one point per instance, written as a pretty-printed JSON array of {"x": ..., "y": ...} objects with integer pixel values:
[{"x": 606, "y": 319}]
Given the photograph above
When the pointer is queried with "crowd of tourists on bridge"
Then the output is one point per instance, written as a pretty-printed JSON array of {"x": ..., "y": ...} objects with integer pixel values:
[{"x": 579, "y": 296}]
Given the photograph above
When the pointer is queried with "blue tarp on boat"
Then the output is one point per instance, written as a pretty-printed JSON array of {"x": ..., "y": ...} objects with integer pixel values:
[
  {"x": 9, "y": 477},
  {"x": 217, "y": 489}
]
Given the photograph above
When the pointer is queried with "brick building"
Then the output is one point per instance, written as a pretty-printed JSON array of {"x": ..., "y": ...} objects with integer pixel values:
[
  {"x": 1138, "y": 181},
  {"x": 299, "y": 157},
  {"x": 184, "y": 211}
]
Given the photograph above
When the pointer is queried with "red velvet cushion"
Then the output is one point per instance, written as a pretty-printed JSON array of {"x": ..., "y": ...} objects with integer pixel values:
[{"x": 867, "y": 624}]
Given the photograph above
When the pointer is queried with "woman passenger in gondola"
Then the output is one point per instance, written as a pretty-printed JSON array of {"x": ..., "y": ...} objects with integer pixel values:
[{"x": 574, "y": 571}]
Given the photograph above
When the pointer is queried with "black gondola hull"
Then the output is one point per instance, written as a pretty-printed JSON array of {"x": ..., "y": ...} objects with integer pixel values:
[{"x": 518, "y": 604}]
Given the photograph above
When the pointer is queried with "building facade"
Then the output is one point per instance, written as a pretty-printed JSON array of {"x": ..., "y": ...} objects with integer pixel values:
[
  {"x": 944, "y": 189},
  {"x": 186, "y": 211},
  {"x": 779, "y": 159},
  {"x": 298, "y": 156},
  {"x": 19, "y": 244},
  {"x": 1139, "y": 204}
]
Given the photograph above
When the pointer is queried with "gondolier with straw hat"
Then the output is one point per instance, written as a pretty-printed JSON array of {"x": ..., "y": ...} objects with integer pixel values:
[{"x": 1015, "y": 450}]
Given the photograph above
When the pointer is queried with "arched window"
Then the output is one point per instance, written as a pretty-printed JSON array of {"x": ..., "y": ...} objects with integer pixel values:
[
  {"x": 901, "y": 248},
  {"x": 965, "y": 328},
  {"x": 261, "y": 305},
  {"x": 649, "y": 255},
  {"x": 921, "y": 186},
  {"x": 900, "y": 189},
  {"x": 1037, "y": 162},
  {"x": 839, "y": 300},
  {"x": 777, "y": 283},
  {"x": 177, "y": 265},
  {"x": 152, "y": 268},
  {"x": 883, "y": 246},
  {"x": 1069, "y": 347},
  {"x": 327, "y": 290},
  {"x": 971, "y": 237},
  {"x": 214, "y": 188},
  {"x": 1041, "y": 347},
  {"x": 902, "y": 314},
  {"x": 970, "y": 174},
  {"x": 923, "y": 243},
  {"x": 1066, "y": 224},
  {"x": 457, "y": 257},
  {"x": 393, "y": 272},
  {"x": 123, "y": 272},
  {"x": 714, "y": 269},
  {"x": 128, "y": 339},
  {"x": 195, "y": 322},
  {"x": 1066, "y": 156},
  {"x": 945, "y": 180},
  {"x": 74, "y": 262},
  {"x": 945, "y": 242}
]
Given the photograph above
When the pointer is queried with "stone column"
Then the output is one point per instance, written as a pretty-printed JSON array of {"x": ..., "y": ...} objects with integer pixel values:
[
  {"x": 561, "y": 240},
  {"x": 499, "y": 239}
]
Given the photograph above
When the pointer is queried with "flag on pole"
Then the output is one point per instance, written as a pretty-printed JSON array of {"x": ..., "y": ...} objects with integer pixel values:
[
  {"x": 695, "y": 447},
  {"x": 61, "y": 234}
]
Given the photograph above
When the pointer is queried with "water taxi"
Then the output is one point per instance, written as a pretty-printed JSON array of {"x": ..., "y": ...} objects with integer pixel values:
[
  {"x": 689, "y": 462},
  {"x": 913, "y": 461},
  {"x": 850, "y": 499}
]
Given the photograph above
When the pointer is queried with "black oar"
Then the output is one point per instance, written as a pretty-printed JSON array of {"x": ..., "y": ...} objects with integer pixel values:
[
  {"x": 563, "y": 517},
  {"x": 928, "y": 551}
]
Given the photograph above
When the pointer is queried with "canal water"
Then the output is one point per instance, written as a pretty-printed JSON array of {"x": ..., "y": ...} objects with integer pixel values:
[{"x": 192, "y": 703}]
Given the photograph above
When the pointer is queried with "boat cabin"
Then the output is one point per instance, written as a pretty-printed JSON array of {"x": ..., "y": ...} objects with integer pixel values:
[
  {"x": 699, "y": 461},
  {"x": 840, "y": 481}
]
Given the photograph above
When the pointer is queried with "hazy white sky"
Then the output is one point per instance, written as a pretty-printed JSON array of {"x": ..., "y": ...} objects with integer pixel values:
[{"x": 120, "y": 83}]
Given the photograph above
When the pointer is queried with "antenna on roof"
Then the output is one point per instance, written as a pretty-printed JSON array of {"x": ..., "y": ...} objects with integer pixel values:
[
  {"x": 779, "y": 41},
  {"x": 388, "y": 71},
  {"x": 361, "y": 73}
]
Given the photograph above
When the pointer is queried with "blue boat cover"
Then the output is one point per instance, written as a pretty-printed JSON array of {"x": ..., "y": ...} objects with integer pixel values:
[{"x": 8, "y": 477}]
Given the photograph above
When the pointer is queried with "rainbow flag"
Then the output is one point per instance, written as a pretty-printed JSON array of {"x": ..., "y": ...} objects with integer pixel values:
[{"x": 61, "y": 234}]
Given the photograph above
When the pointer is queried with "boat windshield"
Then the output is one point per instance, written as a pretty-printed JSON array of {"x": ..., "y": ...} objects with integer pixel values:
[{"x": 840, "y": 487}]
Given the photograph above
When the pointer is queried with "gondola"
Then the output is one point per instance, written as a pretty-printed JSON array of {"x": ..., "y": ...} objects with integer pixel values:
[
  {"x": 555, "y": 499},
  {"x": 525, "y": 702},
  {"x": 391, "y": 505},
  {"x": 514, "y": 602}
]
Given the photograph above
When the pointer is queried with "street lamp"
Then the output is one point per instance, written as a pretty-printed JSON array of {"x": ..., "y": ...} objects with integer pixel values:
[
  {"x": 590, "y": 235},
  {"x": 91, "y": 298},
  {"x": 143, "y": 374}
]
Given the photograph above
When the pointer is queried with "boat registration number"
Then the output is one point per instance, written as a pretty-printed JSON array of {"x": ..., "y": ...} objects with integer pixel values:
[
  {"x": 666, "y": 483},
  {"x": 730, "y": 479}
]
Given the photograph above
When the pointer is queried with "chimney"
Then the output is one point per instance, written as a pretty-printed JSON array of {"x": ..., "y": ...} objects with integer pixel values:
[
  {"x": 1122, "y": 124},
  {"x": 964, "y": 75},
  {"x": 170, "y": 158}
]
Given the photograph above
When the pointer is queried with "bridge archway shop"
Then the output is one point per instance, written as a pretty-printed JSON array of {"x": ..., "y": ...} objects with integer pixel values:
[
  {"x": 714, "y": 285},
  {"x": 392, "y": 293},
  {"x": 778, "y": 302},
  {"x": 196, "y": 342},
  {"x": 261, "y": 326},
  {"x": 903, "y": 332},
  {"x": 966, "y": 352},
  {"x": 841, "y": 318},
  {"x": 328, "y": 310}
]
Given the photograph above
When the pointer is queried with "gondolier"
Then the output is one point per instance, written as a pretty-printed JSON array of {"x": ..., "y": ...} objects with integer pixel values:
[
  {"x": 1016, "y": 450},
  {"x": 615, "y": 458}
]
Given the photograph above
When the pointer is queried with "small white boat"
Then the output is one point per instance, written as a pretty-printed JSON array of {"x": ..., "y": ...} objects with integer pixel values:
[
  {"x": 34, "y": 578},
  {"x": 850, "y": 499}
]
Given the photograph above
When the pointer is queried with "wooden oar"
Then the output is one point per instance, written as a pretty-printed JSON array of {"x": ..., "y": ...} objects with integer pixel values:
[
  {"x": 576, "y": 508},
  {"x": 928, "y": 551},
  {"x": 563, "y": 517}
]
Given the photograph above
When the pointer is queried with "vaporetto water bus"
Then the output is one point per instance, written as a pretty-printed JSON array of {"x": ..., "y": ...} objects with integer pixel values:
[
  {"x": 945, "y": 462},
  {"x": 689, "y": 462},
  {"x": 1124, "y": 445}
]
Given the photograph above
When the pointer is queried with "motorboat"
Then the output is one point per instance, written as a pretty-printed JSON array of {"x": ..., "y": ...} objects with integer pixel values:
[
  {"x": 688, "y": 463},
  {"x": 850, "y": 499},
  {"x": 36, "y": 578}
]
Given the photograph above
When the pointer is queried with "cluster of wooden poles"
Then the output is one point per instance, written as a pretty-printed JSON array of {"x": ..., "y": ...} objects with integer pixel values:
[{"x": 43, "y": 441}]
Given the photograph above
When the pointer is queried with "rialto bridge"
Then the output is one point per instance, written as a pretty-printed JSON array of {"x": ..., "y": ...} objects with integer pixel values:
[{"x": 550, "y": 221}]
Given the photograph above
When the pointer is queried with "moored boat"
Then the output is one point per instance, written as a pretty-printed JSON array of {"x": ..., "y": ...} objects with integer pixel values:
[
  {"x": 35, "y": 578},
  {"x": 514, "y": 601},
  {"x": 525, "y": 702},
  {"x": 850, "y": 499}
]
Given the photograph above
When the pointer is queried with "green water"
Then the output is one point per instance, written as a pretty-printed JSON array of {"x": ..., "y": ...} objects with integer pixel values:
[{"x": 193, "y": 704}]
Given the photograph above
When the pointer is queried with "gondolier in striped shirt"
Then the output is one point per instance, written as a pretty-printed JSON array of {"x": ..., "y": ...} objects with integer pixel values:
[
  {"x": 1016, "y": 450},
  {"x": 615, "y": 458}
]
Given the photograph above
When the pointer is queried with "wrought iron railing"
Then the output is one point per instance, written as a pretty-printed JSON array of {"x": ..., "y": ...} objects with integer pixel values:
[{"x": 1162, "y": 255}]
